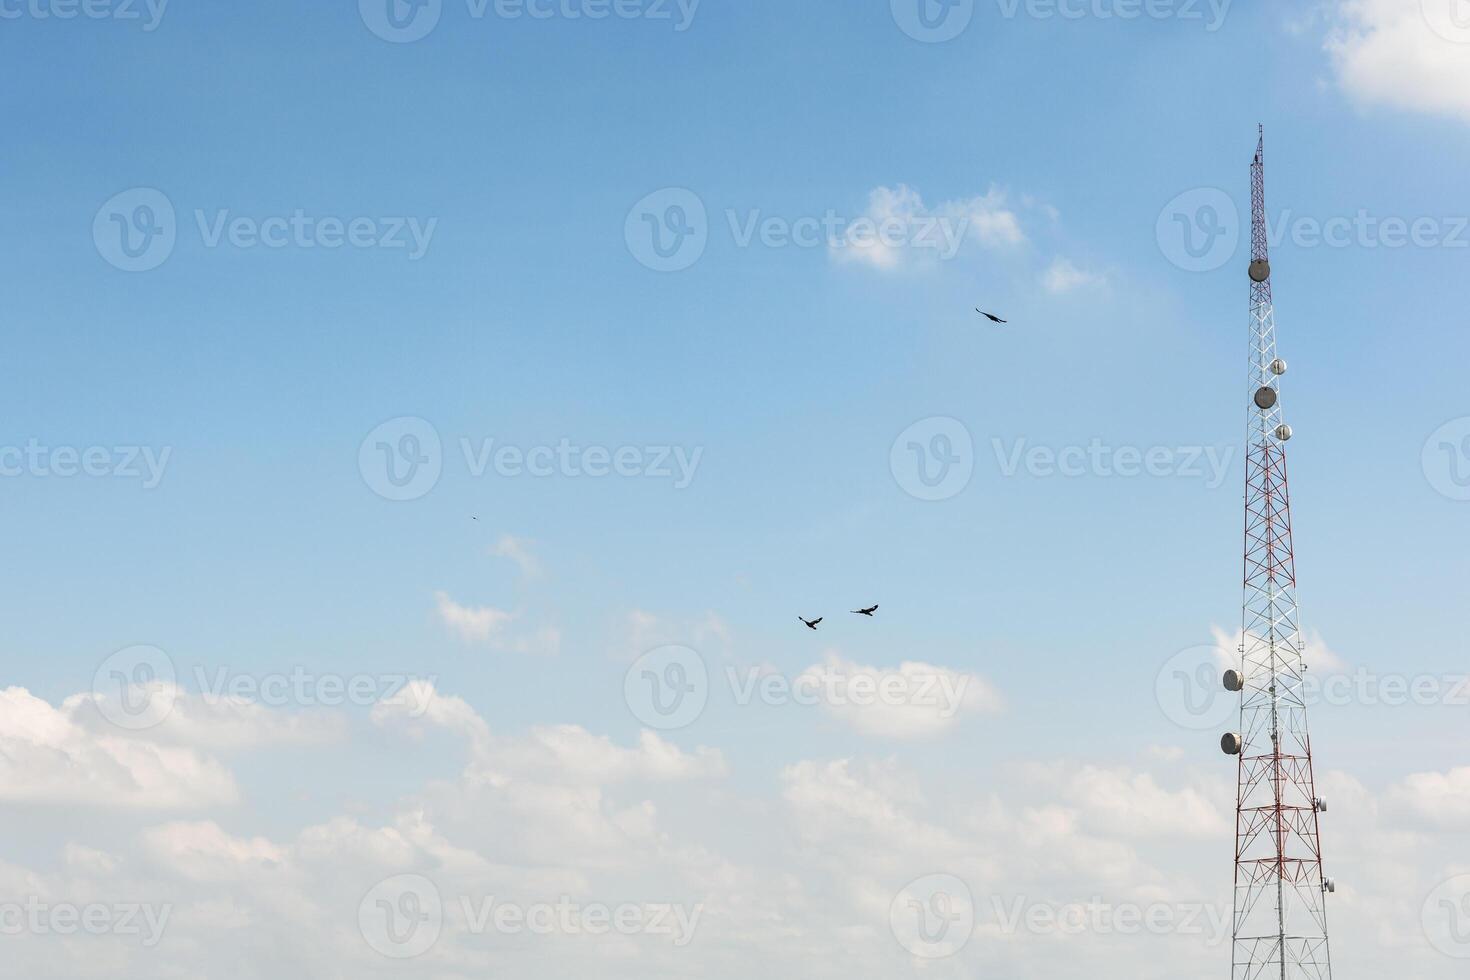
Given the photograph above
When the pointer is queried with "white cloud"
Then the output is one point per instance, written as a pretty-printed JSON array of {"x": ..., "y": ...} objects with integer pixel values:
[
  {"x": 1063, "y": 277},
  {"x": 914, "y": 700},
  {"x": 554, "y": 753},
  {"x": 544, "y": 642},
  {"x": 1317, "y": 654},
  {"x": 643, "y": 631},
  {"x": 1133, "y": 804},
  {"x": 898, "y": 228},
  {"x": 46, "y": 756},
  {"x": 1403, "y": 54},
  {"x": 419, "y": 706},
  {"x": 1437, "y": 800},
  {"x": 518, "y": 550},
  {"x": 204, "y": 852},
  {"x": 473, "y": 624},
  {"x": 488, "y": 626},
  {"x": 573, "y": 754},
  {"x": 216, "y": 723}
]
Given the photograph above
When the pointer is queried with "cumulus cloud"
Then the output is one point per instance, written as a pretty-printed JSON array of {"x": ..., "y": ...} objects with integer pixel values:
[
  {"x": 898, "y": 228},
  {"x": 1133, "y": 804},
  {"x": 549, "y": 753},
  {"x": 1437, "y": 800},
  {"x": 518, "y": 550},
  {"x": 642, "y": 631},
  {"x": 913, "y": 700},
  {"x": 204, "y": 852},
  {"x": 473, "y": 624},
  {"x": 1404, "y": 54},
  {"x": 490, "y": 627},
  {"x": 46, "y": 756},
  {"x": 1063, "y": 277},
  {"x": 1317, "y": 654}
]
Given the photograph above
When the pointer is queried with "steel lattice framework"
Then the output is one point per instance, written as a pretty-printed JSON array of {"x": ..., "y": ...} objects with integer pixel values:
[{"x": 1280, "y": 892}]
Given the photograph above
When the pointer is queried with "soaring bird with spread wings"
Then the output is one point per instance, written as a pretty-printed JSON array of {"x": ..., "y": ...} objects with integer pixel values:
[
  {"x": 810, "y": 624},
  {"x": 865, "y": 612}
]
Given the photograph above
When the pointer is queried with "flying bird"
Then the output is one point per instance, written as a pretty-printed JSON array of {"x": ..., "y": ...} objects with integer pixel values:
[
  {"x": 989, "y": 316},
  {"x": 812, "y": 625},
  {"x": 865, "y": 612}
]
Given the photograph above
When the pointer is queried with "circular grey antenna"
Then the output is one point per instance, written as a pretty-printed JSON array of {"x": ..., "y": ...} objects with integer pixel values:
[
  {"x": 1234, "y": 681},
  {"x": 1266, "y": 398},
  {"x": 1260, "y": 270},
  {"x": 1278, "y": 367},
  {"x": 1231, "y": 744},
  {"x": 1283, "y": 432}
]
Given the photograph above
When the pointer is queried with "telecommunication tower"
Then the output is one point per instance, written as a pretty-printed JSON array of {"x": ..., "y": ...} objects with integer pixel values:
[{"x": 1280, "y": 891}]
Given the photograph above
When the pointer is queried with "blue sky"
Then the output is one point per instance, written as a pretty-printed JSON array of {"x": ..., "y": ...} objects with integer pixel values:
[{"x": 522, "y": 150}]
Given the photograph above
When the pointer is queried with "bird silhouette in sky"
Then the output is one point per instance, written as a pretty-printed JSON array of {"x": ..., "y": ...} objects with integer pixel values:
[
  {"x": 810, "y": 624},
  {"x": 865, "y": 612},
  {"x": 989, "y": 316}
]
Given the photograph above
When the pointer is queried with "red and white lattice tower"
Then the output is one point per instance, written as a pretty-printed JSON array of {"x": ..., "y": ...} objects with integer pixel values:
[{"x": 1280, "y": 891}]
